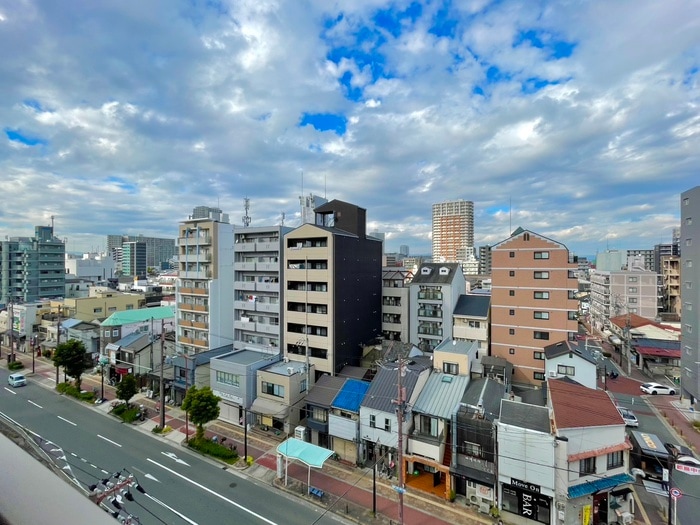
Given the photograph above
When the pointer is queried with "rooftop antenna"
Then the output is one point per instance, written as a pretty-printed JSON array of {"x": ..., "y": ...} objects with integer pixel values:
[
  {"x": 52, "y": 217},
  {"x": 282, "y": 221},
  {"x": 246, "y": 217}
]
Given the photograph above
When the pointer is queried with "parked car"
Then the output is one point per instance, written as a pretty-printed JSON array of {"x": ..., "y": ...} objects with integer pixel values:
[
  {"x": 657, "y": 388},
  {"x": 628, "y": 416},
  {"x": 16, "y": 380}
]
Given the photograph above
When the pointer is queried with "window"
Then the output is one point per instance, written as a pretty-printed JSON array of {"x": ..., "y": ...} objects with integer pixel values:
[
  {"x": 572, "y": 294},
  {"x": 632, "y": 279},
  {"x": 572, "y": 274},
  {"x": 511, "y": 273},
  {"x": 541, "y": 295},
  {"x": 544, "y": 336},
  {"x": 511, "y": 254},
  {"x": 538, "y": 376},
  {"x": 115, "y": 333},
  {"x": 538, "y": 355},
  {"x": 632, "y": 289},
  {"x": 428, "y": 426},
  {"x": 566, "y": 370},
  {"x": 526, "y": 236},
  {"x": 689, "y": 242},
  {"x": 302, "y": 385},
  {"x": 511, "y": 331},
  {"x": 688, "y": 221},
  {"x": 686, "y": 201},
  {"x": 387, "y": 424},
  {"x": 615, "y": 460},
  {"x": 511, "y": 351},
  {"x": 97, "y": 310},
  {"x": 450, "y": 368},
  {"x": 541, "y": 255},
  {"x": 688, "y": 263},
  {"x": 227, "y": 378},
  {"x": 541, "y": 275},
  {"x": 586, "y": 466},
  {"x": 511, "y": 293},
  {"x": 511, "y": 312},
  {"x": 272, "y": 389},
  {"x": 572, "y": 316},
  {"x": 472, "y": 449},
  {"x": 107, "y": 333},
  {"x": 372, "y": 421},
  {"x": 321, "y": 414},
  {"x": 632, "y": 300},
  {"x": 474, "y": 324},
  {"x": 541, "y": 315}
]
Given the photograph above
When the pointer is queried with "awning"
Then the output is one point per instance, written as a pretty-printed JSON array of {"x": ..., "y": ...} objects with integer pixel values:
[
  {"x": 599, "y": 485},
  {"x": 308, "y": 453},
  {"x": 268, "y": 407},
  {"x": 122, "y": 370}
]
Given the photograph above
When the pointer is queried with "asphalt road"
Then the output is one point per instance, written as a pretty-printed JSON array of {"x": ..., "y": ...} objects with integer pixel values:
[{"x": 181, "y": 488}]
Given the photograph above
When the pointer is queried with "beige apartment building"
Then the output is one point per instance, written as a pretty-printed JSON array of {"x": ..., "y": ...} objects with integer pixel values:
[
  {"x": 533, "y": 301},
  {"x": 101, "y": 303}
]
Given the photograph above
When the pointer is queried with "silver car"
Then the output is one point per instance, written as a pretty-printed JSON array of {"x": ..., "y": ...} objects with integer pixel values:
[{"x": 628, "y": 416}]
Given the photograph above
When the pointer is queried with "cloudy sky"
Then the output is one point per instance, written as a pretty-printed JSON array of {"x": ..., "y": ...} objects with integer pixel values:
[{"x": 580, "y": 117}]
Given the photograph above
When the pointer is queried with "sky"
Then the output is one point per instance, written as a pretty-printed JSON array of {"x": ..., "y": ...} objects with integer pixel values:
[{"x": 578, "y": 120}]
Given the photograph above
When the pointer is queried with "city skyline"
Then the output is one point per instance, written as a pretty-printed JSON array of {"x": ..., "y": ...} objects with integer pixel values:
[{"x": 577, "y": 121}]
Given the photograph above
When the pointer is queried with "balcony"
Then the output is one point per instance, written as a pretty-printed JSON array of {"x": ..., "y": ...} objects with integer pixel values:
[
  {"x": 423, "y": 312},
  {"x": 269, "y": 246},
  {"x": 245, "y": 325},
  {"x": 249, "y": 306},
  {"x": 267, "y": 266},
  {"x": 272, "y": 308},
  {"x": 244, "y": 266},
  {"x": 430, "y": 296},
  {"x": 267, "y": 287},
  {"x": 244, "y": 285},
  {"x": 267, "y": 328},
  {"x": 245, "y": 246}
]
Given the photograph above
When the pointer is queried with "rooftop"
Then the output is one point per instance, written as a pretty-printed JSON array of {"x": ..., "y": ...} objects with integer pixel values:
[
  {"x": 576, "y": 406},
  {"x": 473, "y": 305},
  {"x": 137, "y": 316},
  {"x": 524, "y": 415}
]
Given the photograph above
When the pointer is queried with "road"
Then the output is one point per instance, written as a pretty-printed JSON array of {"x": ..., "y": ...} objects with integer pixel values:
[
  {"x": 181, "y": 488},
  {"x": 626, "y": 392}
]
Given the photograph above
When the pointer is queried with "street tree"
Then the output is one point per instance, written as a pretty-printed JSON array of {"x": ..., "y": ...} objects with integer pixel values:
[
  {"x": 202, "y": 406},
  {"x": 71, "y": 355},
  {"x": 127, "y": 388}
]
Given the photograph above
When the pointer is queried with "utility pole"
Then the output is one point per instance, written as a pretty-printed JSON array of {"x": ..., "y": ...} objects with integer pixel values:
[
  {"x": 399, "y": 417},
  {"x": 58, "y": 337},
  {"x": 151, "y": 355},
  {"x": 11, "y": 355},
  {"x": 161, "y": 385},
  {"x": 306, "y": 321},
  {"x": 628, "y": 343}
]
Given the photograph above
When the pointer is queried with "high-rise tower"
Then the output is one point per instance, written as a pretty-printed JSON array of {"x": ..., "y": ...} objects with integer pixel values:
[{"x": 453, "y": 230}]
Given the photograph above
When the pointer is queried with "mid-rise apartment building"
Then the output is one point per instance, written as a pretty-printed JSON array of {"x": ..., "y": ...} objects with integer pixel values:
[
  {"x": 134, "y": 258},
  {"x": 332, "y": 288},
  {"x": 32, "y": 268},
  {"x": 671, "y": 279},
  {"x": 258, "y": 311},
  {"x": 485, "y": 260},
  {"x": 645, "y": 257},
  {"x": 690, "y": 292},
  {"x": 533, "y": 301},
  {"x": 622, "y": 292},
  {"x": 396, "y": 304},
  {"x": 159, "y": 251},
  {"x": 205, "y": 285}
]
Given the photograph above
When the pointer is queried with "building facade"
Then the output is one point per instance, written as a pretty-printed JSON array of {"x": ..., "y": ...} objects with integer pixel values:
[
  {"x": 258, "y": 306},
  {"x": 159, "y": 251},
  {"x": 533, "y": 301},
  {"x": 205, "y": 285},
  {"x": 332, "y": 288},
  {"x": 453, "y": 230},
  {"x": 396, "y": 304},
  {"x": 32, "y": 268},
  {"x": 134, "y": 258},
  {"x": 622, "y": 292},
  {"x": 690, "y": 292},
  {"x": 671, "y": 279}
]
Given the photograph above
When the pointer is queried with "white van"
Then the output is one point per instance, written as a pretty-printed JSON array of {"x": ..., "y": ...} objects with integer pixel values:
[{"x": 17, "y": 380}]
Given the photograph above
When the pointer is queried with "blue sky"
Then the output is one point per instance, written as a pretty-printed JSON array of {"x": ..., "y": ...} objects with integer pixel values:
[{"x": 578, "y": 120}]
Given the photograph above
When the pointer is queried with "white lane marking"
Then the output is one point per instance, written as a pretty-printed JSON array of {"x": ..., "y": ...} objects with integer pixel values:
[
  {"x": 173, "y": 456},
  {"x": 33, "y": 403},
  {"x": 11, "y": 391},
  {"x": 67, "y": 421},
  {"x": 109, "y": 441},
  {"x": 207, "y": 489},
  {"x": 171, "y": 509}
]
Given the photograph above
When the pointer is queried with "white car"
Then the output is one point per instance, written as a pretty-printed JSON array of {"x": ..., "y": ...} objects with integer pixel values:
[
  {"x": 628, "y": 416},
  {"x": 657, "y": 388},
  {"x": 16, "y": 380}
]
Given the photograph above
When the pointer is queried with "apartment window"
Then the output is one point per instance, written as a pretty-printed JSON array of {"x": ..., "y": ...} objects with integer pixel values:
[
  {"x": 511, "y": 351},
  {"x": 511, "y": 331},
  {"x": 566, "y": 370},
  {"x": 538, "y": 376},
  {"x": 632, "y": 310},
  {"x": 472, "y": 449},
  {"x": 474, "y": 324},
  {"x": 544, "y": 336},
  {"x": 511, "y": 312},
  {"x": 632, "y": 289},
  {"x": 586, "y": 466},
  {"x": 688, "y": 221},
  {"x": 387, "y": 424},
  {"x": 541, "y": 295},
  {"x": 511, "y": 254},
  {"x": 541, "y": 275},
  {"x": 272, "y": 389},
  {"x": 321, "y": 414},
  {"x": 689, "y": 242},
  {"x": 450, "y": 368},
  {"x": 511, "y": 293},
  {"x": 511, "y": 273},
  {"x": 538, "y": 355},
  {"x": 302, "y": 385},
  {"x": 372, "y": 421},
  {"x": 572, "y": 316},
  {"x": 112, "y": 309},
  {"x": 632, "y": 300},
  {"x": 227, "y": 378},
  {"x": 632, "y": 279},
  {"x": 688, "y": 263},
  {"x": 572, "y": 294},
  {"x": 615, "y": 460},
  {"x": 541, "y": 255},
  {"x": 129, "y": 306},
  {"x": 97, "y": 310},
  {"x": 686, "y": 201},
  {"x": 541, "y": 315}
]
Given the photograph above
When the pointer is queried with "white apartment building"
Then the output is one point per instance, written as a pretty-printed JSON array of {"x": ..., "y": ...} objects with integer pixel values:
[{"x": 622, "y": 292}]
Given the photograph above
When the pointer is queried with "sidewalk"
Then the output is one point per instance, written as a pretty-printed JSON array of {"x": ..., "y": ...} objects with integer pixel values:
[{"x": 348, "y": 490}]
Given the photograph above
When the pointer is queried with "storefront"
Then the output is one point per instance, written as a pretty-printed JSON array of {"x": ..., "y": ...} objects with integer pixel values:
[{"x": 526, "y": 500}]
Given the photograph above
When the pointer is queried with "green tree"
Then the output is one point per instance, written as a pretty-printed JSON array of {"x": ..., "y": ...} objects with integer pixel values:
[
  {"x": 71, "y": 356},
  {"x": 202, "y": 406},
  {"x": 127, "y": 388}
]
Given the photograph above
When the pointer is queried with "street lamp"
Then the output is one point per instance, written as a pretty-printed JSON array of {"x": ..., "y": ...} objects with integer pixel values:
[{"x": 104, "y": 360}]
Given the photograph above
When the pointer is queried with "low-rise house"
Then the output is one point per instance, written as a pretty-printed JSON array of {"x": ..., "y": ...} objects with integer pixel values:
[
  {"x": 132, "y": 354},
  {"x": 281, "y": 391},
  {"x": 318, "y": 405},
  {"x": 379, "y": 424},
  {"x": 593, "y": 459},
  {"x": 572, "y": 359},
  {"x": 232, "y": 379},
  {"x": 86, "y": 333},
  {"x": 344, "y": 419},
  {"x": 192, "y": 370},
  {"x": 473, "y": 465},
  {"x": 471, "y": 318}
]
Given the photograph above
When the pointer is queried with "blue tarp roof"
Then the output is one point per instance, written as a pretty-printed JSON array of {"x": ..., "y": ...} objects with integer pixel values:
[
  {"x": 351, "y": 395},
  {"x": 307, "y": 453},
  {"x": 597, "y": 485}
]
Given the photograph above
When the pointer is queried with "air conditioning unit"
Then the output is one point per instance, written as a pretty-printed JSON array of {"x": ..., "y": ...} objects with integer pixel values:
[
  {"x": 300, "y": 433},
  {"x": 552, "y": 373}
]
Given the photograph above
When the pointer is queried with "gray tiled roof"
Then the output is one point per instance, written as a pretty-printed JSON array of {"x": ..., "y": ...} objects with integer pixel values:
[
  {"x": 525, "y": 415},
  {"x": 384, "y": 386},
  {"x": 564, "y": 347},
  {"x": 487, "y": 392},
  {"x": 473, "y": 305},
  {"x": 434, "y": 276},
  {"x": 441, "y": 395},
  {"x": 325, "y": 390}
]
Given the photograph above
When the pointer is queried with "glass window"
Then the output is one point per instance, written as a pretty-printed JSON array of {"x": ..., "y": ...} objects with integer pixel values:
[
  {"x": 321, "y": 414},
  {"x": 511, "y": 273},
  {"x": 511, "y": 312},
  {"x": 450, "y": 368},
  {"x": 566, "y": 370},
  {"x": 541, "y": 335},
  {"x": 538, "y": 376},
  {"x": 372, "y": 421},
  {"x": 387, "y": 424},
  {"x": 511, "y": 254},
  {"x": 511, "y": 293},
  {"x": 541, "y": 315},
  {"x": 539, "y": 355},
  {"x": 511, "y": 351},
  {"x": 541, "y": 295},
  {"x": 616, "y": 460},
  {"x": 586, "y": 466},
  {"x": 541, "y": 255},
  {"x": 511, "y": 331},
  {"x": 272, "y": 389},
  {"x": 541, "y": 275},
  {"x": 227, "y": 378}
]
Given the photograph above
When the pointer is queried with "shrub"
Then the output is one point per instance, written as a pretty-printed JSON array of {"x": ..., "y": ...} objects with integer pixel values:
[
  {"x": 69, "y": 389},
  {"x": 15, "y": 365},
  {"x": 216, "y": 450},
  {"x": 249, "y": 460},
  {"x": 127, "y": 413},
  {"x": 47, "y": 354}
]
